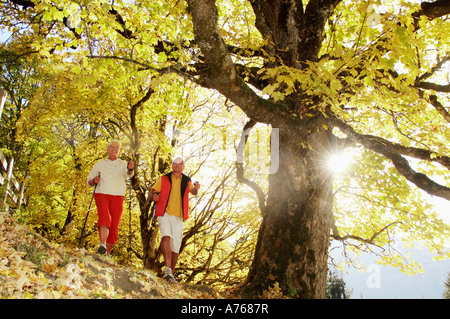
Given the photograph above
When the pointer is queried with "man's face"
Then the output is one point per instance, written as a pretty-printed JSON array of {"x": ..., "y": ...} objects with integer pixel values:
[
  {"x": 178, "y": 166},
  {"x": 113, "y": 151}
]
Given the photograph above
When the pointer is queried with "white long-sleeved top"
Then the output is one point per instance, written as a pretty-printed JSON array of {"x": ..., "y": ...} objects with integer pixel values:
[{"x": 112, "y": 176}]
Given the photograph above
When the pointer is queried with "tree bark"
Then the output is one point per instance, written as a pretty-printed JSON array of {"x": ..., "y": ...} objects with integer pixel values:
[{"x": 295, "y": 232}]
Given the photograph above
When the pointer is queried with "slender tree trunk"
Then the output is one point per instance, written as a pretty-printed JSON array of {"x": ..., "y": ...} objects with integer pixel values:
[
  {"x": 295, "y": 232},
  {"x": 70, "y": 214},
  {"x": 149, "y": 238},
  {"x": 78, "y": 179}
]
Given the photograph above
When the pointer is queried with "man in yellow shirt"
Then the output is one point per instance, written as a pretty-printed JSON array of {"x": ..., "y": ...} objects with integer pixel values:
[{"x": 171, "y": 192}]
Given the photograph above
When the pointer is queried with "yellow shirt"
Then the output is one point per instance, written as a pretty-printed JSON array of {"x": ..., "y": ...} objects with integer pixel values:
[{"x": 174, "y": 205}]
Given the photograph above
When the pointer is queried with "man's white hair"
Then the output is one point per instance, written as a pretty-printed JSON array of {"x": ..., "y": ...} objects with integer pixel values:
[{"x": 178, "y": 160}]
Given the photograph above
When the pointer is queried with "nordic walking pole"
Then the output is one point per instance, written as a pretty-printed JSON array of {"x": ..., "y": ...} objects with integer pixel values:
[
  {"x": 196, "y": 202},
  {"x": 196, "y": 216},
  {"x": 153, "y": 214},
  {"x": 129, "y": 211},
  {"x": 129, "y": 230},
  {"x": 89, "y": 209}
]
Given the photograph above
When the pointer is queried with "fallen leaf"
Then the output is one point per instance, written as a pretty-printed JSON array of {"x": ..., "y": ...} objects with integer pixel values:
[{"x": 22, "y": 281}]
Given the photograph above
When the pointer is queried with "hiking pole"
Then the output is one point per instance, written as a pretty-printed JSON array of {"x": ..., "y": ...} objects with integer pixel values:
[
  {"x": 153, "y": 214},
  {"x": 87, "y": 215},
  {"x": 196, "y": 202},
  {"x": 129, "y": 212},
  {"x": 196, "y": 216},
  {"x": 129, "y": 229}
]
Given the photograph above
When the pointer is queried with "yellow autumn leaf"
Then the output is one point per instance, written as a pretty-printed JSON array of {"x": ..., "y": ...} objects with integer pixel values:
[
  {"x": 28, "y": 295},
  {"x": 49, "y": 267}
]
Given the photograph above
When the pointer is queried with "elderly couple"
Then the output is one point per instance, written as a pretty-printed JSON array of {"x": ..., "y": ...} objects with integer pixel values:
[{"x": 171, "y": 192}]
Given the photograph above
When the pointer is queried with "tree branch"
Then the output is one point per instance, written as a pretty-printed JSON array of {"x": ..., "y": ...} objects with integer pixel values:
[
  {"x": 126, "y": 33},
  {"x": 240, "y": 169},
  {"x": 392, "y": 151},
  {"x": 221, "y": 73},
  {"x": 418, "y": 153},
  {"x": 369, "y": 241},
  {"x": 438, "y": 66},
  {"x": 433, "y": 10},
  {"x": 23, "y": 3},
  {"x": 317, "y": 14},
  {"x": 433, "y": 86},
  {"x": 439, "y": 107}
]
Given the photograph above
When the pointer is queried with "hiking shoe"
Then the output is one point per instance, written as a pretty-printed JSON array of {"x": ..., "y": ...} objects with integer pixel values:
[
  {"x": 170, "y": 279},
  {"x": 167, "y": 271},
  {"x": 101, "y": 249},
  {"x": 168, "y": 275}
]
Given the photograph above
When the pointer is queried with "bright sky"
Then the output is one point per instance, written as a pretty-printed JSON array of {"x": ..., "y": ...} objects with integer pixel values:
[{"x": 4, "y": 35}]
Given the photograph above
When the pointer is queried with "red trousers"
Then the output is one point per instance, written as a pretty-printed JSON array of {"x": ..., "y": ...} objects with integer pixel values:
[{"x": 109, "y": 210}]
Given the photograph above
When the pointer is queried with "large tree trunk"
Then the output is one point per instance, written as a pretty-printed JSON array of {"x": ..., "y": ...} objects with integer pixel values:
[{"x": 295, "y": 232}]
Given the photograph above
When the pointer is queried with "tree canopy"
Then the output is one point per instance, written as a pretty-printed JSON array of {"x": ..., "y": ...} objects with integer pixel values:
[{"x": 330, "y": 76}]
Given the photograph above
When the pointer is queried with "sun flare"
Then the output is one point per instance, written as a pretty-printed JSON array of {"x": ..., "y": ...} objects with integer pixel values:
[{"x": 339, "y": 162}]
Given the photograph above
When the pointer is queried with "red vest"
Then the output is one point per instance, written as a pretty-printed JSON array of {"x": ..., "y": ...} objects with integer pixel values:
[{"x": 166, "y": 185}]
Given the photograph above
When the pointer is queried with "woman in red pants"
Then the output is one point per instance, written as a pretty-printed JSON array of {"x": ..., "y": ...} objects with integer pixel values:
[{"x": 109, "y": 175}]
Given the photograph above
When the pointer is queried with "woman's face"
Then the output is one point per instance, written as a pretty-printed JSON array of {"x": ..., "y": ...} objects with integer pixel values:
[{"x": 113, "y": 151}]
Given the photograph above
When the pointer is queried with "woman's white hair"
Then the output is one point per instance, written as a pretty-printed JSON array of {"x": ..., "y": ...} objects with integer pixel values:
[{"x": 115, "y": 142}]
